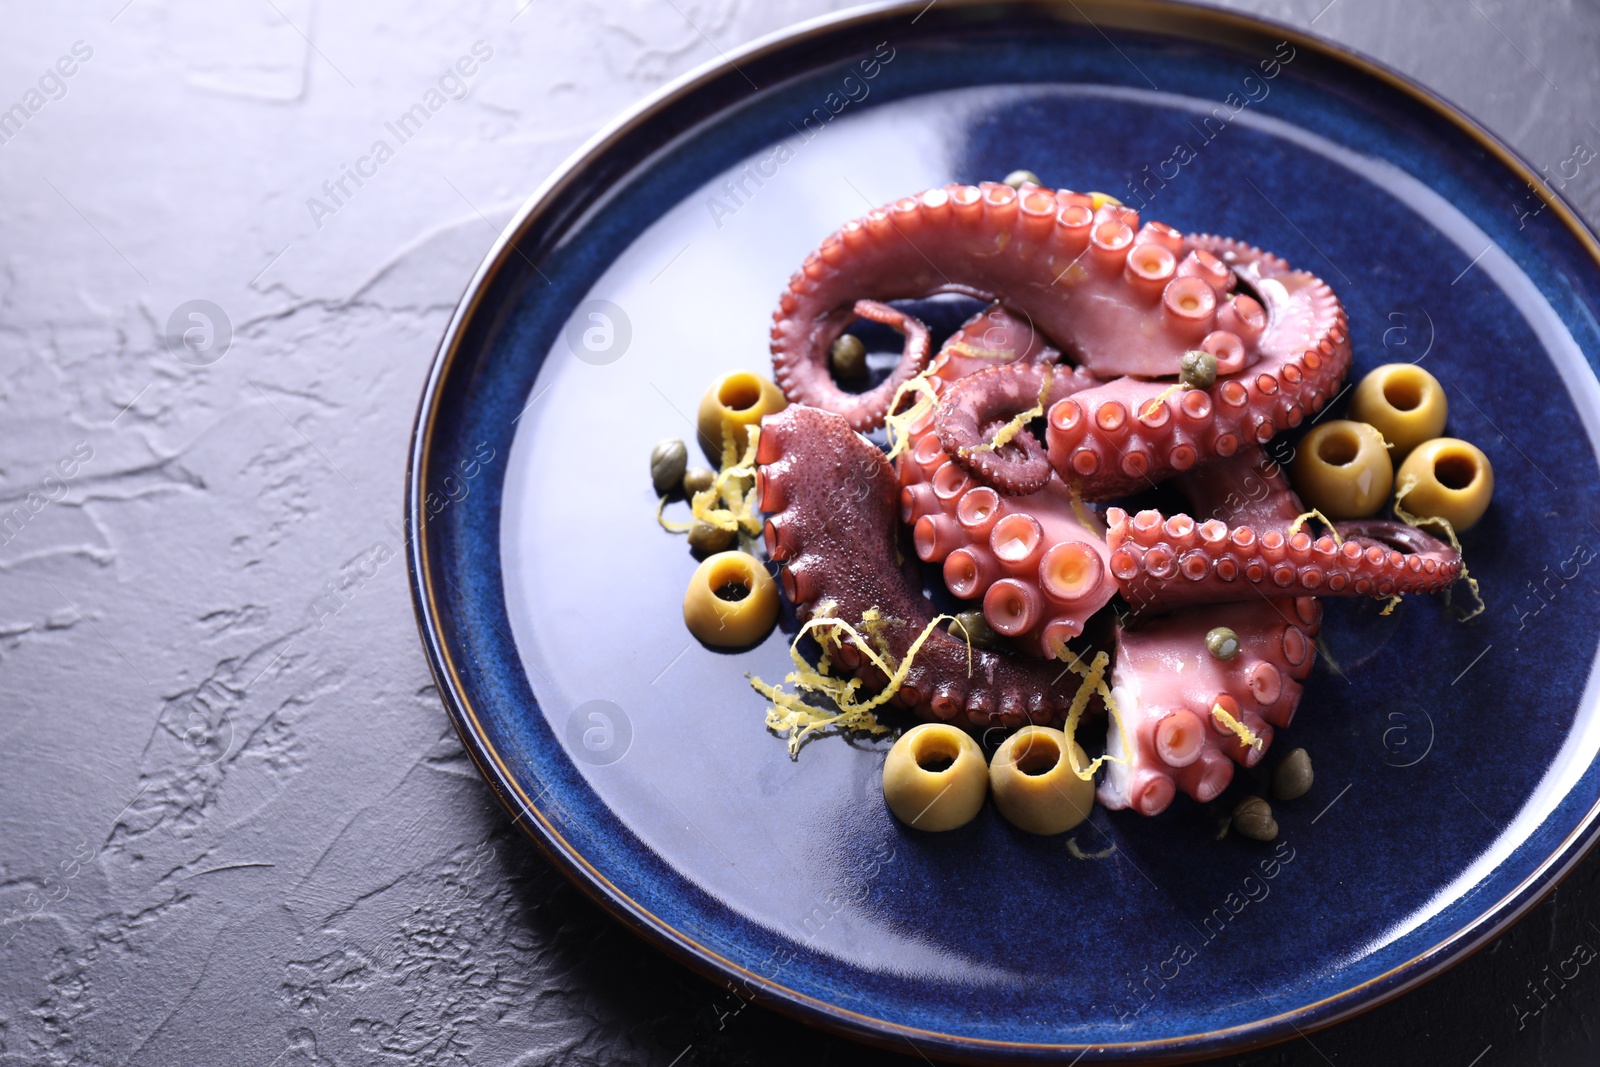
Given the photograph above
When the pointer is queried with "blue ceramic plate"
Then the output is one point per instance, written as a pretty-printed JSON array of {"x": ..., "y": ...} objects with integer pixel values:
[{"x": 1454, "y": 761}]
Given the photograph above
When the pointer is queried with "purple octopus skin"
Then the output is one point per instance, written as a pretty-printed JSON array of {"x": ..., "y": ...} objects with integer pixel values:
[{"x": 811, "y": 462}]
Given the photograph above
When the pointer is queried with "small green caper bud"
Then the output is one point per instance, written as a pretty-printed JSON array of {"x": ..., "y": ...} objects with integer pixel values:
[
  {"x": 1018, "y": 178},
  {"x": 707, "y": 539},
  {"x": 697, "y": 480},
  {"x": 1253, "y": 818},
  {"x": 849, "y": 357},
  {"x": 1222, "y": 643},
  {"x": 667, "y": 463},
  {"x": 1198, "y": 369},
  {"x": 1292, "y": 778},
  {"x": 972, "y": 624}
]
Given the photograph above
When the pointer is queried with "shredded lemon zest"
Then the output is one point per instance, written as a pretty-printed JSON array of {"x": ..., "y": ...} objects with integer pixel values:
[
  {"x": 1302, "y": 519},
  {"x": 1007, "y": 433},
  {"x": 730, "y": 503},
  {"x": 877, "y": 628},
  {"x": 666, "y": 523},
  {"x": 1115, "y": 712},
  {"x": 1243, "y": 732},
  {"x": 1093, "y": 684},
  {"x": 1079, "y": 854},
  {"x": 1393, "y": 603},
  {"x": 975, "y": 352},
  {"x": 898, "y": 426},
  {"x": 1157, "y": 401},
  {"x": 1403, "y": 515},
  {"x": 789, "y": 714},
  {"x": 1086, "y": 518}
]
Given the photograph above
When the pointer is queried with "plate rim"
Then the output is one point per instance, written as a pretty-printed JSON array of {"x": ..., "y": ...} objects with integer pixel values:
[{"x": 1153, "y": 15}]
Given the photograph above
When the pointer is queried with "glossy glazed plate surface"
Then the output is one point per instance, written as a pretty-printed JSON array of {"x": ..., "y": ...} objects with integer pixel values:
[{"x": 1454, "y": 761}]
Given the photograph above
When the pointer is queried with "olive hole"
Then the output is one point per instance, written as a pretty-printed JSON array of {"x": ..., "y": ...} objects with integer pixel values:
[
  {"x": 1041, "y": 757},
  {"x": 935, "y": 754},
  {"x": 1455, "y": 470},
  {"x": 730, "y": 582},
  {"x": 740, "y": 393},
  {"x": 1402, "y": 392},
  {"x": 1338, "y": 449}
]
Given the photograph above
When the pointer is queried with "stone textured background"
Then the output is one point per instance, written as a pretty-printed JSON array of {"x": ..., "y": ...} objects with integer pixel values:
[{"x": 235, "y": 826}]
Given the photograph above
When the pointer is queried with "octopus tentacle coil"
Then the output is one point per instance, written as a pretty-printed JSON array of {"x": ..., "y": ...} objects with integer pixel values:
[
  {"x": 1037, "y": 569},
  {"x": 1123, "y": 299},
  {"x": 969, "y": 406},
  {"x": 1155, "y": 356}
]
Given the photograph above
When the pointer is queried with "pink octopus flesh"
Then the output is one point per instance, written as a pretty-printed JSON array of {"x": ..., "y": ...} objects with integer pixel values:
[{"x": 1091, "y": 311}]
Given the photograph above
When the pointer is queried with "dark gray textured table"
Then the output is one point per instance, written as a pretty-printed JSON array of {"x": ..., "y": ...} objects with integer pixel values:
[{"x": 235, "y": 826}]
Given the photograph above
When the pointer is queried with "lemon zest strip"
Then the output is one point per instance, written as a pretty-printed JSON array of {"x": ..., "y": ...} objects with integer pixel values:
[
  {"x": 790, "y": 714},
  {"x": 1301, "y": 519},
  {"x": 666, "y": 523},
  {"x": 1243, "y": 732},
  {"x": 975, "y": 352},
  {"x": 1093, "y": 684},
  {"x": 1086, "y": 518},
  {"x": 1007, "y": 433},
  {"x": 1080, "y": 854},
  {"x": 898, "y": 426},
  {"x": 730, "y": 503},
  {"x": 1157, "y": 401},
  {"x": 1405, "y": 516}
]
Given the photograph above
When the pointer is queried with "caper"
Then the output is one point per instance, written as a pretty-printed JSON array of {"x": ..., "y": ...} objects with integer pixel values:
[
  {"x": 1222, "y": 643},
  {"x": 972, "y": 624},
  {"x": 849, "y": 357},
  {"x": 1293, "y": 776},
  {"x": 1198, "y": 369},
  {"x": 1253, "y": 818},
  {"x": 697, "y": 480},
  {"x": 1018, "y": 178},
  {"x": 667, "y": 462},
  {"x": 707, "y": 539}
]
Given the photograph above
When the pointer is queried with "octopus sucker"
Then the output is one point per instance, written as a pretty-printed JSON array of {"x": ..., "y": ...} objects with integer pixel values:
[
  {"x": 1165, "y": 748},
  {"x": 1150, "y": 356},
  {"x": 846, "y": 558}
]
